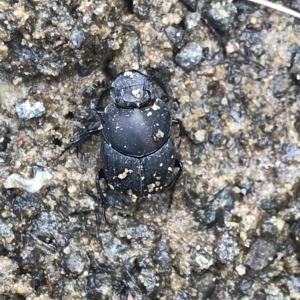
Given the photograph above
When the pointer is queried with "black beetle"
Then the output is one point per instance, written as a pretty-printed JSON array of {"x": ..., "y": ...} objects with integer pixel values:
[{"x": 138, "y": 151}]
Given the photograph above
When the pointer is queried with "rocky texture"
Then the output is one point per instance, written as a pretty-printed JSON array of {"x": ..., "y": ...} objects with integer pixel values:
[{"x": 233, "y": 229}]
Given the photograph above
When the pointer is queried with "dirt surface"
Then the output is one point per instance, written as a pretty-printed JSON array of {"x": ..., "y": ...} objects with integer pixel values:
[{"x": 232, "y": 69}]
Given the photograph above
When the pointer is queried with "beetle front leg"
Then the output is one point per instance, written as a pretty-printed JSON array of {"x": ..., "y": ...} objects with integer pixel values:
[
  {"x": 102, "y": 204},
  {"x": 99, "y": 109},
  {"x": 95, "y": 129}
]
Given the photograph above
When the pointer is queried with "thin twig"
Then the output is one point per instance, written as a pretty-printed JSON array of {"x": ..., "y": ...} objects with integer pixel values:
[{"x": 277, "y": 7}]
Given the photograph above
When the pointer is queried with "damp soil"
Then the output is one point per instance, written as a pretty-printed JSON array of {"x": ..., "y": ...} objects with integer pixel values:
[{"x": 232, "y": 71}]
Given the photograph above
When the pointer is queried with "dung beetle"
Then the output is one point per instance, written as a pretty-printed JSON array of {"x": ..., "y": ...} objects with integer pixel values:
[{"x": 138, "y": 151}]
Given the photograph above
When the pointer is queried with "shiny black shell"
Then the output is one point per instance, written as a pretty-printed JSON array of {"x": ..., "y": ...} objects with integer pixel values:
[
  {"x": 137, "y": 132},
  {"x": 138, "y": 176},
  {"x": 138, "y": 152}
]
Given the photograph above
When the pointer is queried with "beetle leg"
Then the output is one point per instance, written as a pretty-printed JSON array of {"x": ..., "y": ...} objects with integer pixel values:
[
  {"x": 221, "y": 41},
  {"x": 94, "y": 130},
  {"x": 160, "y": 83},
  {"x": 101, "y": 216},
  {"x": 183, "y": 131},
  {"x": 172, "y": 184},
  {"x": 99, "y": 84},
  {"x": 152, "y": 74},
  {"x": 103, "y": 95},
  {"x": 192, "y": 7}
]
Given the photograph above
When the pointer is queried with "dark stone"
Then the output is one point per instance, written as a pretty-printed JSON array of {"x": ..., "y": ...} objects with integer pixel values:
[
  {"x": 33, "y": 62},
  {"x": 99, "y": 286},
  {"x": 142, "y": 8},
  {"x": 26, "y": 205},
  {"x": 280, "y": 85},
  {"x": 220, "y": 291},
  {"x": 203, "y": 285},
  {"x": 28, "y": 254},
  {"x": 181, "y": 295},
  {"x": 216, "y": 137},
  {"x": 269, "y": 204},
  {"x": 263, "y": 142},
  {"x": 220, "y": 202},
  {"x": 162, "y": 256},
  {"x": 73, "y": 263},
  {"x": 260, "y": 295},
  {"x": 86, "y": 68},
  {"x": 45, "y": 226},
  {"x": 112, "y": 246},
  {"x": 221, "y": 14},
  {"x": 174, "y": 34},
  {"x": 295, "y": 67},
  {"x": 291, "y": 153},
  {"x": 260, "y": 253},
  {"x": 35, "y": 168},
  {"x": 52, "y": 34},
  {"x": 226, "y": 247},
  {"x": 189, "y": 56},
  {"x": 77, "y": 38},
  {"x": 5, "y": 159},
  {"x": 245, "y": 285},
  {"x": 212, "y": 116}
]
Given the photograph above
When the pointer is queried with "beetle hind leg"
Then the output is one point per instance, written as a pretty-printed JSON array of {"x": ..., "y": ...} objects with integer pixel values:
[
  {"x": 171, "y": 186},
  {"x": 100, "y": 215}
]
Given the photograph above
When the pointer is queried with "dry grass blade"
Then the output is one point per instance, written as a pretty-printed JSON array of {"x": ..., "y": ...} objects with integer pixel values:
[{"x": 277, "y": 7}]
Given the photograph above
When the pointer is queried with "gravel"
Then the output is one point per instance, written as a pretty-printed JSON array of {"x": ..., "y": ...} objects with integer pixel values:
[{"x": 232, "y": 69}]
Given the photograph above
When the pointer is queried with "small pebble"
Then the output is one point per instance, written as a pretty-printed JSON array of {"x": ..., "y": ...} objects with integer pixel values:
[
  {"x": 27, "y": 110},
  {"x": 189, "y": 56}
]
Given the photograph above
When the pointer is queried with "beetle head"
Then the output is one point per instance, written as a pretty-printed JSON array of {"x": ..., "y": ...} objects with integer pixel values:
[{"x": 131, "y": 89}]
